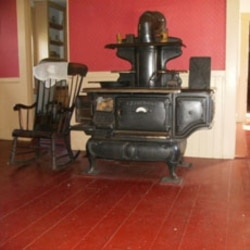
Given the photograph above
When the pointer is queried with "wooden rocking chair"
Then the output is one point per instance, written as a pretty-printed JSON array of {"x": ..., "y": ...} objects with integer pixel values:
[{"x": 45, "y": 125}]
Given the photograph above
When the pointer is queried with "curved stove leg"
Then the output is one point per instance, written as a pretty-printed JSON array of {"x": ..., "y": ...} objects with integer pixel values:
[
  {"x": 173, "y": 178},
  {"x": 91, "y": 169},
  {"x": 175, "y": 158},
  {"x": 92, "y": 166}
]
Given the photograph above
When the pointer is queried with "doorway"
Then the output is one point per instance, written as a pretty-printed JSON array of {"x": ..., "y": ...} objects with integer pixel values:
[
  {"x": 49, "y": 29},
  {"x": 242, "y": 84},
  {"x": 243, "y": 89},
  {"x": 248, "y": 81}
]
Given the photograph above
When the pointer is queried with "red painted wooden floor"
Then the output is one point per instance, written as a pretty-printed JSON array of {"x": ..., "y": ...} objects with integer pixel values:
[{"x": 126, "y": 207}]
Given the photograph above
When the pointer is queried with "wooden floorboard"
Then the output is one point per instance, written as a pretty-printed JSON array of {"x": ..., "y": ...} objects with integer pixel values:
[{"x": 126, "y": 206}]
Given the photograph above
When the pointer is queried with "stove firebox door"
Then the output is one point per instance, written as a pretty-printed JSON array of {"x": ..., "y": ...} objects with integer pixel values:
[{"x": 143, "y": 113}]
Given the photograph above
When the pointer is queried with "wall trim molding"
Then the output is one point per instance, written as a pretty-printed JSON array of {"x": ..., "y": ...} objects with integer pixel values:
[{"x": 4, "y": 80}]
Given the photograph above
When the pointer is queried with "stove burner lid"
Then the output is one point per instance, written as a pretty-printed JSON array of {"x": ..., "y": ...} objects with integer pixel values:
[{"x": 152, "y": 27}]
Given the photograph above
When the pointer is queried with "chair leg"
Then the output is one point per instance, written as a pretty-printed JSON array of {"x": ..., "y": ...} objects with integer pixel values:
[
  {"x": 22, "y": 153},
  {"x": 53, "y": 153},
  {"x": 37, "y": 147},
  {"x": 68, "y": 156},
  {"x": 68, "y": 147},
  {"x": 13, "y": 151},
  {"x": 72, "y": 155}
]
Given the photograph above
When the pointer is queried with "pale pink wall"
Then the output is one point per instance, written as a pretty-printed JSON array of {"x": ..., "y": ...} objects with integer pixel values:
[
  {"x": 95, "y": 23},
  {"x": 8, "y": 39}
]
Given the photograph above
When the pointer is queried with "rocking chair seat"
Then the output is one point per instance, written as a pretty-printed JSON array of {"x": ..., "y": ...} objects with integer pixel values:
[{"x": 32, "y": 133}]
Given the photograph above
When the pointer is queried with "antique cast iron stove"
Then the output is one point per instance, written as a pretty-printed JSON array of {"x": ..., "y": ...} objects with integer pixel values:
[{"x": 145, "y": 115}]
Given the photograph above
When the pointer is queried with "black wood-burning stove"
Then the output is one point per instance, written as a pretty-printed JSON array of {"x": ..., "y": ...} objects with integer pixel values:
[{"x": 145, "y": 115}]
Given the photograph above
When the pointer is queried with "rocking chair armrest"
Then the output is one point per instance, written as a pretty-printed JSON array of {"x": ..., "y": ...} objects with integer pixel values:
[
  {"x": 20, "y": 106},
  {"x": 24, "y": 114}
]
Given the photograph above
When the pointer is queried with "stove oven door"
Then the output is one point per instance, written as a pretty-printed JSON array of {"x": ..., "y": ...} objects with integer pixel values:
[
  {"x": 192, "y": 111},
  {"x": 143, "y": 113}
]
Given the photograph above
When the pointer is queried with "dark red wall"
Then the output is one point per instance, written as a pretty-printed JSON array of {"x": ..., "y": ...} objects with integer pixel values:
[
  {"x": 8, "y": 39},
  {"x": 95, "y": 23}
]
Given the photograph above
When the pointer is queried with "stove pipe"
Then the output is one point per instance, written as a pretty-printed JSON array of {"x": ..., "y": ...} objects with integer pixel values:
[{"x": 151, "y": 27}]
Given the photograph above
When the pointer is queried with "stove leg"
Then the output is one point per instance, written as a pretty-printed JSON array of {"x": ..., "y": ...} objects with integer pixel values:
[
  {"x": 172, "y": 178},
  {"x": 92, "y": 166}
]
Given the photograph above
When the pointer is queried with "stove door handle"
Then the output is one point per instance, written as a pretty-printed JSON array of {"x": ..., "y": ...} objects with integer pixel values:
[{"x": 141, "y": 110}]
